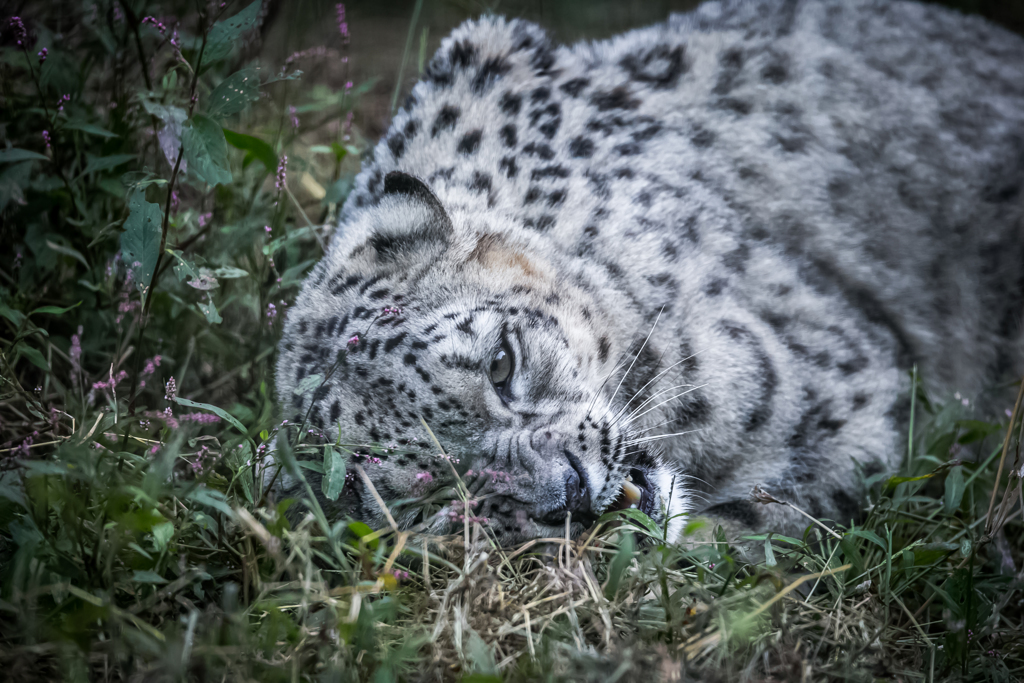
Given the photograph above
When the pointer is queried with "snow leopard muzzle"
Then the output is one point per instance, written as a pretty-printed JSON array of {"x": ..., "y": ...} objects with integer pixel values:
[{"x": 561, "y": 484}]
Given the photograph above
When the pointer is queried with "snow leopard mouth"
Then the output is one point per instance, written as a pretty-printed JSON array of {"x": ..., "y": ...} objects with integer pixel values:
[{"x": 636, "y": 494}]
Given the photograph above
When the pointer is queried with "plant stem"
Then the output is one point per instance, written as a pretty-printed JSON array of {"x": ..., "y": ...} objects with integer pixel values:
[
  {"x": 405, "y": 54},
  {"x": 133, "y": 22},
  {"x": 57, "y": 165},
  {"x": 144, "y": 314}
]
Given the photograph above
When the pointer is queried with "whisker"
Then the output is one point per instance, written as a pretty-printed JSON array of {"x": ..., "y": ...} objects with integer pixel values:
[
  {"x": 658, "y": 437},
  {"x": 660, "y": 424},
  {"x": 632, "y": 418},
  {"x": 618, "y": 364},
  {"x": 651, "y": 398},
  {"x": 637, "y": 356},
  {"x": 655, "y": 379}
]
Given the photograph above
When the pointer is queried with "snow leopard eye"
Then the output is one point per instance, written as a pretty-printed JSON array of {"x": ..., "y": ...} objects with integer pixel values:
[{"x": 501, "y": 369}]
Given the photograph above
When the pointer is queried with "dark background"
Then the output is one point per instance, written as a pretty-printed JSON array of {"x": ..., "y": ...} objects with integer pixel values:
[{"x": 379, "y": 29}]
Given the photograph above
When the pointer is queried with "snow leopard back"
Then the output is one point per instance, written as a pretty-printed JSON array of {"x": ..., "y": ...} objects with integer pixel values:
[{"x": 796, "y": 201}]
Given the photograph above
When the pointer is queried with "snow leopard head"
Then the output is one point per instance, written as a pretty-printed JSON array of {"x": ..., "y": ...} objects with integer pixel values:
[{"x": 424, "y": 324}]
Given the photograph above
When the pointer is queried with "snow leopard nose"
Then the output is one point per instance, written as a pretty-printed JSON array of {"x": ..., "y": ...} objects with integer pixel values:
[{"x": 564, "y": 478}]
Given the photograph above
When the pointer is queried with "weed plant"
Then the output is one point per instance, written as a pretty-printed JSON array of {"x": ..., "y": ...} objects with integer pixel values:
[{"x": 161, "y": 199}]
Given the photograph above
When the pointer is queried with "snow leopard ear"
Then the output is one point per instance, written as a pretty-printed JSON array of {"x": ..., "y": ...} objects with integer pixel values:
[{"x": 427, "y": 225}]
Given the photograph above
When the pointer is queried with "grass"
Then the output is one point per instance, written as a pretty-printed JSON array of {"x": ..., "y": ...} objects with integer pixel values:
[{"x": 135, "y": 542}]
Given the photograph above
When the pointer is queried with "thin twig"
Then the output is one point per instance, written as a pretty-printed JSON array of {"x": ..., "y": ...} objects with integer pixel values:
[{"x": 1002, "y": 458}]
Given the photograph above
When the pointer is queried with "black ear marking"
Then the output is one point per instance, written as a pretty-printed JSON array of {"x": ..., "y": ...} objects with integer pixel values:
[
  {"x": 399, "y": 183},
  {"x": 393, "y": 240}
]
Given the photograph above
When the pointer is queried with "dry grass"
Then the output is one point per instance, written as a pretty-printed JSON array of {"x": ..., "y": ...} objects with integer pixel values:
[{"x": 926, "y": 589}]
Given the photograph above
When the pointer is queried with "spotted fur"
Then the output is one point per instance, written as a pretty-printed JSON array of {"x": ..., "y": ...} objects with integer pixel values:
[{"x": 740, "y": 227}]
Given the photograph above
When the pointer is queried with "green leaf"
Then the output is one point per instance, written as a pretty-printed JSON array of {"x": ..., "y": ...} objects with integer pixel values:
[
  {"x": 225, "y": 33},
  {"x": 55, "y": 310},
  {"x": 140, "y": 241},
  {"x": 187, "y": 272},
  {"x": 293, "y": 76},
  {"x": 90, "y": 129},
  {"x": 362, "y": 530},
  {"x": 162, "y": 534},
  {"x": 95, "y": 163},
  {"x": 68, "y": 251},
  {"x": 871, "y": 536},
  {"x": 147, "y": 576},
  {"x": 13, "y": 182},
  {"x": 12, "y": 492},
  {"x": 206, "y": 151},
  {"x": 480, "y": 657},
  {"x": 308, "y": 384},
  {"x": 954, "y": 489},
  {"x": 253, "y": 145},
  {"x": 976, "y": 430},
  {"x": 893, "y": 482},
  {"x": 12, "y": 154},
  {"x": 769, "y": 553},
  {"x": 339, "y": 190},
  {"x": 234, "y": 94},
  {"x": 211, "y": 498},
  {"x": 15, "y": 316},
  {"x": 245, "y": 479},
  {"x": 34, "y": 356},
  {"x": 223, "y": 414},
  {"x": 642, "y": 522},
  {"x": 169, "y": 135},
  {"x": 312, "y": 466},
  {"x": 230, "y": 272},
  {"x": 334, "y": 473},
  {"x": 618, "y": 565},
  {"x": 209, "y": 309}
]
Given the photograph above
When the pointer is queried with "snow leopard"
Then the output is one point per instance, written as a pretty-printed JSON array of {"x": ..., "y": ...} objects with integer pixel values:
[{"x": 657, "y": 270}]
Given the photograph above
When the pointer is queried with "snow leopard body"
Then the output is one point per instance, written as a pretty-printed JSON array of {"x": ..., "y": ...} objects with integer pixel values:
[{"x": 713, "y": 248}]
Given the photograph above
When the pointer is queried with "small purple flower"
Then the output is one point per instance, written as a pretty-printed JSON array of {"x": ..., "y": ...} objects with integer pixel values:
[
  {"x": 271, "y": 314},
  {"x": 42, "y": 55},
  {"x": 46, "y": 138},
  {"x": 158, "y": 25},
  {"x": 342, "y": 22},
  {"x": 17, "y": 27},
  {"x": 295, "y": 118},
  {"x": 204, "y": 218},
  {"x": 313, "y": 52},
  {"x": 75, "y": 354},
  {"x": 267, "y": 229},
  {"x": 347, "y": 128},
  {"x": 348, "y": 85},
  {"x": 125, "y": 306},
  {"x": 353, "y": 340},
  {"x": 170, "y": 390},
  {"x": 112, "y": 382},
  {"x": 175, "y": 200},
  {"x": 282, "y": 173},
  {"x": 200, "y": 418},
  {"x": 391, "y": 310},
  {"x": 60, "y": 102}
]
